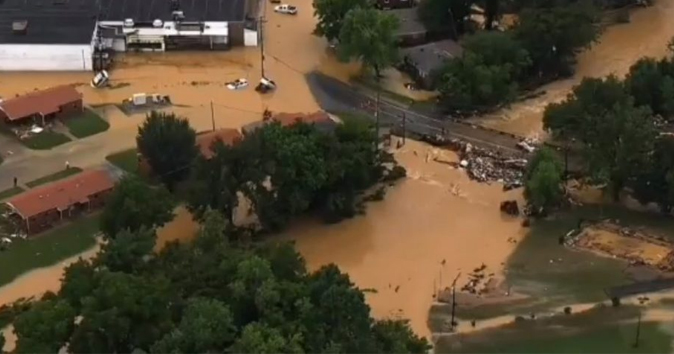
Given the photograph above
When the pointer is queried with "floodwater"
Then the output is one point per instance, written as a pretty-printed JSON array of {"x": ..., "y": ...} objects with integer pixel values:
[
  {"x": 429, "y": 228},
  {"x": 620, "y": 46}
]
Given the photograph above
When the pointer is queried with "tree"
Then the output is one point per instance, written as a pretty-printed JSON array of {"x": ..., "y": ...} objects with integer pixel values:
[
  {"x": 207, "y": 326},
  {"x": 134, "y": 205},
  {"x": 129, "y": 251},
  {"x": 491, "y": 13},
  {"x": 499, "y": 49},
  {"x": 331, "y": 13},
  {"x": 616, "y": 136},
  {"x": 650, "y": 83},
  {"x": 45, "y": 328},
  {"x": 259, "y": 338},
  {"x": 553, "y": 36},
  {"x": 544, "y": 185},
  {"x": 445, "y": 15},
  {"x": 369, "y": 36},
  {"x": 397, "y": 337},
  {"x": 167, "y": 142},
  {"x": 655, "y": 183},
  {"x": 467, "y": 84}
]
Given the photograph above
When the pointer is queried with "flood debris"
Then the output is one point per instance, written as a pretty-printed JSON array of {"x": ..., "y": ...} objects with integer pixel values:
[
  {"x": 484, "y": 165},
  {"x": 510, "y": 207}
]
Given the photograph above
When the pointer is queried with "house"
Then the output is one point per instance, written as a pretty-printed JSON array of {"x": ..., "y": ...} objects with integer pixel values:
[
  {"x": 320, "y": 119},
  {"x": 394, "y": 4},
  {"x": 65, "y": 35},
  {"x": 421, "y": 61},
  {"x": 411, "y": 30},
  {"x": 205, "y": 141},
  {"x": 42, "y": 106},
  {"x": 41, "y": 208}
]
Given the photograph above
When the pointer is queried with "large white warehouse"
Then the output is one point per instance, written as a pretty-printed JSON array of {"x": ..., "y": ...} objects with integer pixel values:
[{"x": 63, "y": 35}]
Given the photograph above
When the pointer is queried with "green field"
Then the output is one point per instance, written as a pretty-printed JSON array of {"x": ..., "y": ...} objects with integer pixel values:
[
  {"x": 86, "y": 124},
  {"x": 54, "y": 177},
  {"x": 8, "y": 193},
  {"x": 126, "y": 160},
  {"x": 600, "y": 330},
  {"x": 47, "y": 249},
  {"x": 45, "y": 140}
]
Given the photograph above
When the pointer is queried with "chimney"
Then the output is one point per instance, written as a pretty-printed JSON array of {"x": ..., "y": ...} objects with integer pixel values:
[{"x": 20, "y": 27}]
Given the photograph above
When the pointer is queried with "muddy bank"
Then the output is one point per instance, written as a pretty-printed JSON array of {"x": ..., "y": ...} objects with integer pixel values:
[
  {"x": 426, "y": 231},
  {"x": 618, "y": 48}
]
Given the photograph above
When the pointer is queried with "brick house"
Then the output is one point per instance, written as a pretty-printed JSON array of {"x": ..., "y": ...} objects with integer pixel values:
[
  {"x": 42, "y": 106},
  {"x": 41, "y": 208}
]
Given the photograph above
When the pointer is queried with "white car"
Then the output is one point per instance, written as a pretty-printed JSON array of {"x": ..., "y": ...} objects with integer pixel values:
[
  {"x": 237, "y": 84},
  {"x": 286, "y": 9}
]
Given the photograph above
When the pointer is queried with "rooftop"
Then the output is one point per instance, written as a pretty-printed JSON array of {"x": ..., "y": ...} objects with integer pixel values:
[
  {"x": 205, "y": 141},
  {"x": 61, "y": 195},
  {"x": 320, "y": 118},
  {"x": 48, "y": 21},
  {"x": 431, "y": 56},
  {"x": 194, "y": 10},
  {"x": 39, "y": 102}
]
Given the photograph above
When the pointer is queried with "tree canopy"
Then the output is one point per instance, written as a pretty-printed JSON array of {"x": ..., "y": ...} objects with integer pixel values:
[
  {"x": 331, "y": 14},
  {"x": 544, "y": 180},
  {"x": 209, "y": 295},
  {"x": 651, "y": 83},
  {"x": 286, "y": 171},
  {"x": 554, "y": 35},
  {"x": 167, "y": 142},
  {"x": 445, "y": 15},
  {"x": 134, "y": 205},
  {"x": 616, "y": 136},
  {"x": 655, "y": 182},
  {"x": 369, "y": 35}
]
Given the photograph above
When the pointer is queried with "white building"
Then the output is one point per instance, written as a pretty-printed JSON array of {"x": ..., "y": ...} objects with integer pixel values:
[{"x": 62, "y": 35}]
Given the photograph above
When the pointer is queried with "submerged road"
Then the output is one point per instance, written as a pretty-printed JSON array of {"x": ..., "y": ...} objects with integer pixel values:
[{"x": 336, "y": 96}]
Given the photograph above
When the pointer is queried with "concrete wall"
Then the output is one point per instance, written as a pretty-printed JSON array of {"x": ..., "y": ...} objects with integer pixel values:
[{"x": 45, "y": 57}]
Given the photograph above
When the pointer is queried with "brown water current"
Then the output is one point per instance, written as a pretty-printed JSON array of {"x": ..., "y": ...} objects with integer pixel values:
[{"x": 620, "y": 46}]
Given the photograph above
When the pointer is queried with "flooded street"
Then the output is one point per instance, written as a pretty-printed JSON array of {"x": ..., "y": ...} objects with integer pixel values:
[
  {"x": 620, "y": 46},
  {"x": 430, "y": 227}
]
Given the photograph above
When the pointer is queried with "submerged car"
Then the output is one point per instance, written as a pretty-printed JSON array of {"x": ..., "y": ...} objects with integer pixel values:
[
  {"x": 237, "y": 84},
  {"x": 286, "y": 9}
]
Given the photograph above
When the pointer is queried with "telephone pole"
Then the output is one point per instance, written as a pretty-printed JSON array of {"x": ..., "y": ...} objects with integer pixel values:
[
  {"x": 261, "y": 21},
  {"x": 636, "y": 340},
  {"x": 376, "y": 111},
  {"x": 404, "y": 127},
  {"x": 454, "y": 300},
  {"x": 212, "y": 116}
]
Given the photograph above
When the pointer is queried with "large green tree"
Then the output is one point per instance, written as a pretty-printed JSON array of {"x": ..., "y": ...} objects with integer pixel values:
[
  {"x": 369, "y": 35},
  {"x": 655, "y": 183},
  {"x": 616, "y": 136},
  {"x": 167, "y": 142},
  {"x": 544, "y": 180},
  {"x": 45, "y": 328},
  {"x": 134, "y": 205},
  {"x": 497, "y": 48},
  {"x": 651, "y": 83},
  {"x": 331, "y": 13},
  {"x": 553, "y": 36}
]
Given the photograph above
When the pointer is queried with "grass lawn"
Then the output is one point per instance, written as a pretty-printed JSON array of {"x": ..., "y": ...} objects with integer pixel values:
[
  {"x": 54, "y": 177},
  {"x": 127, "y": 160},
  {"x": 599, "y": 330},
  {"x": 45, "y": 140},
  {"x": 86, "y": 124},
  {"x": 7, "y": 193},
  {"x": 47, "y": 249}
]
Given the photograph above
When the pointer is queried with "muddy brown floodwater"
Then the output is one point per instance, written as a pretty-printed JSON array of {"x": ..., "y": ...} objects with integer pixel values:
[{"x": 620, "y": 46}]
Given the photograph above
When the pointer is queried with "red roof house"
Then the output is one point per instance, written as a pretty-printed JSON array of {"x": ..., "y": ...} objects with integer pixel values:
[{"x": 55, "y": 102}]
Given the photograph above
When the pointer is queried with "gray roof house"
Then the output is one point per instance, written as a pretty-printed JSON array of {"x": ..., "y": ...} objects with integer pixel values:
[{"x": 420, "y": 61}]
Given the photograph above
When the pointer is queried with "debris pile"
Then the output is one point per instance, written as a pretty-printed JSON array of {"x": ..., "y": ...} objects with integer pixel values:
[
  {"x": 479, "y": 282},
  {"x": 485, "y": 165},
  {"x": 510, "y": 207}
]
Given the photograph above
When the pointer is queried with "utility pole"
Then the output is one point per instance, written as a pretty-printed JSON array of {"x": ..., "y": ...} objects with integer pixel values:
[
  {"x": 636, "y": 340},
  {"x": 261, "y": 28},
  {"x": 404, "y": 126},
  {"x": 454, "y": 300},
  {"x": 212, "y": 116},
  {"x": 376, "y": 111}
]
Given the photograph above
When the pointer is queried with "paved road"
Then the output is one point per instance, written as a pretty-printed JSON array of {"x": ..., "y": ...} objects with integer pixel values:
[{"x": 334, "y": 95}]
